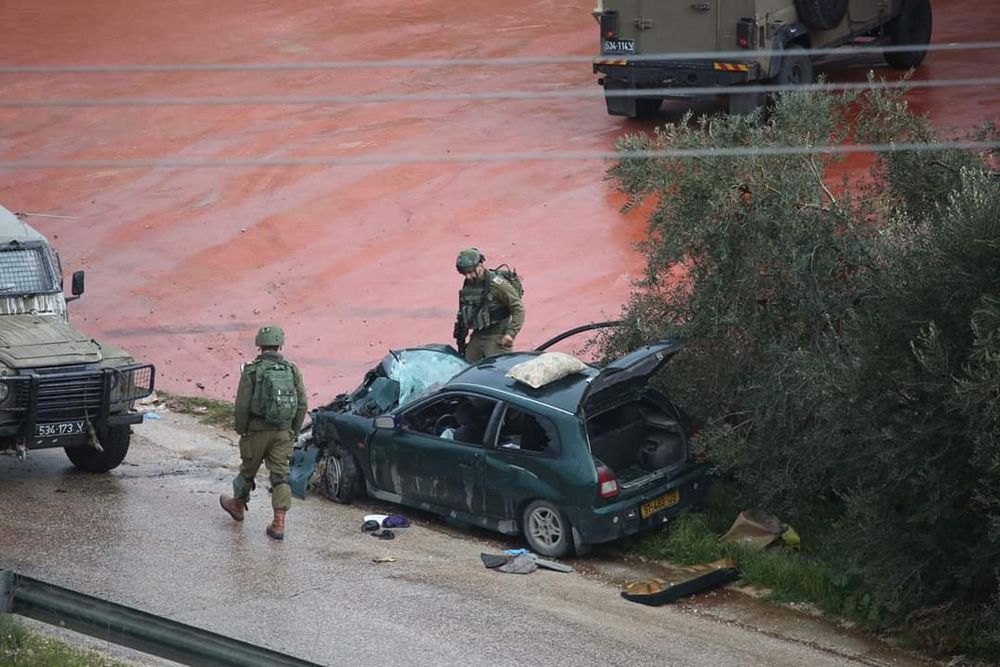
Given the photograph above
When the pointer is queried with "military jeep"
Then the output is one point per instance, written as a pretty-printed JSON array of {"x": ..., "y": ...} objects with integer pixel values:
[
  {"x": 644, "y": 42},
  {"x": 58, "y": 387}
]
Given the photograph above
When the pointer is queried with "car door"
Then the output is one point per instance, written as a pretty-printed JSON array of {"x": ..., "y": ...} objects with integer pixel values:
[
  {"x": 436, "y": 454},
  {"x": 522, "y": 463}
]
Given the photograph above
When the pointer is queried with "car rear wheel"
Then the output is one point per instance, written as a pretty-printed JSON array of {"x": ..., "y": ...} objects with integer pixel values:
[
  {"x": 911, "y": 28},
  {"x": 341, "y": 480},
  {"x": 115, "y": 445},
  {"x": 546, "y": 529}
]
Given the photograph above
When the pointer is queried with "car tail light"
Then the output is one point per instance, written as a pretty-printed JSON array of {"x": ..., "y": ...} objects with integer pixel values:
[
  {"x": 746, "y": 34},
  {"x": 607, "y": 482},
  {"x": 609, "y": 25}
]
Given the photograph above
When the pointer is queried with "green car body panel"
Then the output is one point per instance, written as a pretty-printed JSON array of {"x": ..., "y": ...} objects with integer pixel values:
[{"x": 489, "y": 484}]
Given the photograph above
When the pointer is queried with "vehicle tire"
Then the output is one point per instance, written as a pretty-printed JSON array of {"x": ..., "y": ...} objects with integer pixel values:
[
  {"x": 115, "y": 445},
  {"x": 546, "y": 529},
  {"x": 341, "y": 480},
  {"x": 796, "y": 68},
  {"x": 821, "y": 14},
  {"x": 911, "y": 27}
]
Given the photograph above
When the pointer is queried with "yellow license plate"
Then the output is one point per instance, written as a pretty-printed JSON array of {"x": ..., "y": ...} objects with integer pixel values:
[{"x": 668, "y": 499}]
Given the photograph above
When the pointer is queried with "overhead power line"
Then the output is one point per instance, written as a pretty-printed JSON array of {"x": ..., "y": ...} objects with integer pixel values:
[
  {"x": 512, "y": 156},
  {"x": 592, "y": 92},
  {"x": 739, "y": 55}
]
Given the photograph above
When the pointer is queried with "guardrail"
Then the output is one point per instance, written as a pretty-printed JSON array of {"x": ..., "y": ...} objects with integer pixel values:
[{"x": 130, "y": 627}]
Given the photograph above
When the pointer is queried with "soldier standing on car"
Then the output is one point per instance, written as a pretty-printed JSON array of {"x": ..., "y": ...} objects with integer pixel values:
[
  {"x": 489, "y": 305},
  {"x": 270, "y": 408}
]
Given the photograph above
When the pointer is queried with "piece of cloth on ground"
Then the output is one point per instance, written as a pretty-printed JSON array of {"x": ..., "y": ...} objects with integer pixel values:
[
  {"x": 395, "y": 521},
  {"x": 520, "y": 564}
]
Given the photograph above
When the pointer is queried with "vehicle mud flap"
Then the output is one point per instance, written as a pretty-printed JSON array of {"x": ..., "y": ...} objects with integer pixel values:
[
  {"x": 689, "y": 580},
  {"x": 301, "y": 471},
  {"x": 619, "y": 105}
]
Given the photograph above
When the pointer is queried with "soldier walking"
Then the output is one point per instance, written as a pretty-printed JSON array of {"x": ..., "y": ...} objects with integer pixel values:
[
  {"x": 489, "y": 304},
  {"x": 270, "y": 408}
]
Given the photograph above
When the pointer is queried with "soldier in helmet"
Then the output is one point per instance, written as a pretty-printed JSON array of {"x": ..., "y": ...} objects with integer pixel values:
[
  {"x": 489, "y": 305},
  {"x": 270, "y": 407}
]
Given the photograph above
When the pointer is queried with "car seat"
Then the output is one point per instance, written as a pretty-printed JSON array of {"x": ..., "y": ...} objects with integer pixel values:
[{"x": 471, "y": 424}]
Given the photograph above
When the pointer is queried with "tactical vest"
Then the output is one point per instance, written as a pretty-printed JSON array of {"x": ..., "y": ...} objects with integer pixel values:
[{"x": 478, "y": 305}]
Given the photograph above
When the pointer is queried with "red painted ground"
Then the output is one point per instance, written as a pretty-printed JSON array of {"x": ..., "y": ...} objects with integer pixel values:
[{"x": 183, "y": 265}]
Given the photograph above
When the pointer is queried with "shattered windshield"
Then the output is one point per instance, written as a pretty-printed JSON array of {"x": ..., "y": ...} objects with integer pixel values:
[
  {"x": 418, "y": 370},
  {"x": 26, "y": 269}
]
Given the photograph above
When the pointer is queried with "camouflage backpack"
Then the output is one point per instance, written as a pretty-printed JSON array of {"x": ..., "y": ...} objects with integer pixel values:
[
  {"x": 274, "y": 396},
  {"x": 511, "y": 276}
]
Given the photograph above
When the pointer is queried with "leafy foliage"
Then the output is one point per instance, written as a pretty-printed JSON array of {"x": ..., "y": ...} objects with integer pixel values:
[{"x": 843, "y": 338}]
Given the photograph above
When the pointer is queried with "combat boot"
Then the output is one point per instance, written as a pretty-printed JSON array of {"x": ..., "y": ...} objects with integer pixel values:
[
  {"x": 276, "y": 529},
  {"x": 235, "y": 507}
]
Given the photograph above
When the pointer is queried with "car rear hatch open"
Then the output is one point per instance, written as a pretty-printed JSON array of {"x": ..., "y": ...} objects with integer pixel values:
[{"x": 636, "y": 434}]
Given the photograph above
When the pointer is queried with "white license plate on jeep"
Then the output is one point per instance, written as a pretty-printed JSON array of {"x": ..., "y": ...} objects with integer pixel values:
[
  {"x": 59, "y": 429},
  {"x": 619, "y": 46}
]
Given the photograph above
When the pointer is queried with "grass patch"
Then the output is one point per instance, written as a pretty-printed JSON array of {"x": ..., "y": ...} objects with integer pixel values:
[
  {"x": 20, "y": 647},
  {"x": 786, "y": 575},
  {"x": 206, "y": 410}
]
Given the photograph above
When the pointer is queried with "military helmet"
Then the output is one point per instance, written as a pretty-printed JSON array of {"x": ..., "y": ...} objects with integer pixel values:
[
  {"x": 270, "y": 336},
  {"x": 468, "y": 259}
]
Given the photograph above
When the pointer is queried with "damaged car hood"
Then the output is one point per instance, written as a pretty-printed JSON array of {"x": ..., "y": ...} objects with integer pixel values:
[{"x": 401, "y": 376}]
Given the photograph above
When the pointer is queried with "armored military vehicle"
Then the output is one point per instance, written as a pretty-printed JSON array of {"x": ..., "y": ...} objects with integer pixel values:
[
  {"x": 58, "y": 387},
  {"x": 643, "y": 43}
]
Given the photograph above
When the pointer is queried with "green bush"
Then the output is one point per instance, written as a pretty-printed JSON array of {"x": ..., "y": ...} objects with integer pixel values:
[{"x": 843, "y": 340}]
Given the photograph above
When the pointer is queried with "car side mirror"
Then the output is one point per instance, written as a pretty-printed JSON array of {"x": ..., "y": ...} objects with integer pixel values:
[
  {"x": 385, "y": 421},
  {"x": 78, "y": 283}
]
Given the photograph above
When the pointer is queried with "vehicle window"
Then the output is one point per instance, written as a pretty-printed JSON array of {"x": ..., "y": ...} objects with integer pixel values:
[
  {"x": 26, "y": 270},
  {"x": 457, "y": 417},
  {"x": 526, "y": 432}
]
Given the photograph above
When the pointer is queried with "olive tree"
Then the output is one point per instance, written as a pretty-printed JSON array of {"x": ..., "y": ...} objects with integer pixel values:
[{"x": 842, "y": 327}]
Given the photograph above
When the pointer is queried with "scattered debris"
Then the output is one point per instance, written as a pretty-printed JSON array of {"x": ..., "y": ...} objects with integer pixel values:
[
  {"x": 759, "y": 531},
  {"x": 151, "y": 415},
  {"x": 520, "y": 564},
  {"x": 199, "y": 409},
  {"x": 384, "y": 559},
  {"x": 370, "y": 526},
  {"x": 395, "y": 521},
  {"x": 384, "y": 535},
  {"x": 516, "y": 561},
  {"x": 688, "y": 581}
]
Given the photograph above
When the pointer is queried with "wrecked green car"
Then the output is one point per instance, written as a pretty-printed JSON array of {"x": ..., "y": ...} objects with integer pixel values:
[{"x": 586, "y": 459}]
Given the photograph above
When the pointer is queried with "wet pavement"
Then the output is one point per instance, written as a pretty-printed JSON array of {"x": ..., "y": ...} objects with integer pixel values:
[
  {"x": 184, "y": 264},
  {"x": 151, "y": 535}
]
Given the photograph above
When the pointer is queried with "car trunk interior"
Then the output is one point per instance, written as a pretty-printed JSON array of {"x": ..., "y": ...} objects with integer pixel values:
[{"x": 638, "y": 440}]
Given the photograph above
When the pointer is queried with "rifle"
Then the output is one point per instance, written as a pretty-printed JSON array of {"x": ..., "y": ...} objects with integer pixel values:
[{"x": 460, "y": 331}]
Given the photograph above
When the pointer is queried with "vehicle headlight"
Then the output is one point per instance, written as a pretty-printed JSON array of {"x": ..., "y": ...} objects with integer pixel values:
[{"x": 117, "y": 387}]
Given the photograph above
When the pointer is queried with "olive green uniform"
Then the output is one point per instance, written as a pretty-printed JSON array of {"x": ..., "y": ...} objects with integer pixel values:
[
  {"x": 492, "y": 309},
  {"x": 263, "y": 442}
]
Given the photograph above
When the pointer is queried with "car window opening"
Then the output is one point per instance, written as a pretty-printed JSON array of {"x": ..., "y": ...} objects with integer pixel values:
[
  {"x": 524, "y": 431},
  {"x": 459, "y": 418},
  {"x": 638, "y": 439}
]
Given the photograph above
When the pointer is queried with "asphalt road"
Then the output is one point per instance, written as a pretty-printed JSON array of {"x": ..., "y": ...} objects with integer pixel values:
[{"x": 151, "y": 535}]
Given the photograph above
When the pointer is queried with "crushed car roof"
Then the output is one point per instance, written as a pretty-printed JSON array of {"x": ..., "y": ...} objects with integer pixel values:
[{"x": 564, "y": 393}]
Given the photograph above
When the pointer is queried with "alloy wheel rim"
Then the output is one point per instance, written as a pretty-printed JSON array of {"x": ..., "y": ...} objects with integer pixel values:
[
  {"x": 333, "y": 474},
  {"x": 546, "y": 526}
]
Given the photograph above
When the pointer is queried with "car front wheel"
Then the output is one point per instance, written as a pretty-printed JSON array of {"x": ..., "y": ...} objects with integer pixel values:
[
  {"x": 341, "y": 478},
  {"x": 546, "y": 529}
]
